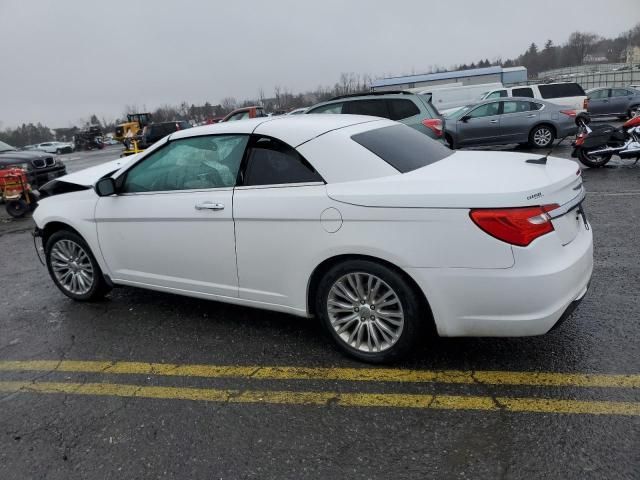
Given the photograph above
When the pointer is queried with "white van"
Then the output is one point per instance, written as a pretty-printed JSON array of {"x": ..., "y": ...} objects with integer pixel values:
[
  {"x": 448, "y": 96},
  {"x": 567, "y": 94}
]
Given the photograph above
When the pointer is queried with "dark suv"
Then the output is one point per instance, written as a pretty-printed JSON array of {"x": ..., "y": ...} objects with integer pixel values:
[
  {"x": 413, "y": 110},
  {"x": 155, "y": 131},
  {"x": 40, "y": 166}
]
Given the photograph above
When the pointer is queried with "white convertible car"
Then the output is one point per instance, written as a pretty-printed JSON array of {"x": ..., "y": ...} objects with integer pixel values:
[{"x": 365, "y": 223}]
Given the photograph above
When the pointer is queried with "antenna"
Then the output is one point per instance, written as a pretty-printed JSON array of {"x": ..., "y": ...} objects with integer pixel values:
[{"x": 543, "y": 160}]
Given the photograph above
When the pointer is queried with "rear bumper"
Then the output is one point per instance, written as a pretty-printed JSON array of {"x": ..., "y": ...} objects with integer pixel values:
[
  {"x": 570, "y": 309},
  {"x": 528, "y": 299}
]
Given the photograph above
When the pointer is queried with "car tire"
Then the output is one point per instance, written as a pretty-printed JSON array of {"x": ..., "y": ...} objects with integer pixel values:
[
  {"x": 450, "y": 142},
  {"x": 73, "y": 268},
  {"x": 357, "y": 325},
  {"x": 58, "y": 151},
  {"x": 542, "y": 136},
  {"x": 17, "y": 208}
]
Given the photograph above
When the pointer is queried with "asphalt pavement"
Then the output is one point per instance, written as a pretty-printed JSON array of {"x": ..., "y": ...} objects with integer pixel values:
[{"x": 152, "y": 385}]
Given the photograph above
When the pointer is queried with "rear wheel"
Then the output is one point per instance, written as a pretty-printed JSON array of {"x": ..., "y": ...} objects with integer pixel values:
[
  {"x": 370, "y": 310},
  {"x": 541, "y": 136},
  {"x": 594, "y": 161},
  {"x": 73, "y": 267}
]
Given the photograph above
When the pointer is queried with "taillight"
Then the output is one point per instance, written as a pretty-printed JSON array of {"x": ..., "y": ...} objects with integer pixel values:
[
  {"x": 517, "y": 226},
  {"x": 585, "y": 103},
  {"x": 570, "y": 113},
  {"x": 580, "y": 139},
  {"x": 435, "y": 124}
]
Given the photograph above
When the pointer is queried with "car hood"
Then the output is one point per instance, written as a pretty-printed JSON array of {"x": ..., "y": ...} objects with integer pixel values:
[
  {"x": 89, "y": 176},
  {"x": 469, "y": 179},
  {"x": 13, "y": 156}
]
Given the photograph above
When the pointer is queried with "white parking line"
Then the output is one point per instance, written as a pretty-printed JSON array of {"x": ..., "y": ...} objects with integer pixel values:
[{"x": 616, "y": 194}]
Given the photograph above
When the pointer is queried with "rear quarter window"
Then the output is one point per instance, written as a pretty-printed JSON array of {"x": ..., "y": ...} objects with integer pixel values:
[
  {"x": 402, "y": 147},
  {"x": 560, "y": 90},
  {"x": 400, "y": 108}
]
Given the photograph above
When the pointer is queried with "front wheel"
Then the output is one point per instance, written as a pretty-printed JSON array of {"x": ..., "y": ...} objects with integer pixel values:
[
  {"x": 594, "y": 161},
  {"x": 371, "y": 311},
  {"x": 73, "y": 267},
  {"x": 541, "y": 136}
]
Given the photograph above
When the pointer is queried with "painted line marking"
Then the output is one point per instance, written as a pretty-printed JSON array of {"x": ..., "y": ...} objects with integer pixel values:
[
  {"x": 538, "y": 379},
  {"x": 427, "y": 402},
  {"x": 616, "y": 194}
]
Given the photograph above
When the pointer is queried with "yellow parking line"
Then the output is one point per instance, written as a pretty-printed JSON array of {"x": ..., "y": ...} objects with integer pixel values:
[
  {"x": 323, "y": 373},
  {"x": 388, "y": 400}
]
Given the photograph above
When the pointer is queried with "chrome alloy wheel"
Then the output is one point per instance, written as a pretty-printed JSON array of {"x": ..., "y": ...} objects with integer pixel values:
[
  {"x": 72, "y": 267},
  {"x": 542, "y": 137},
  {"x": 365, "y": 312}
]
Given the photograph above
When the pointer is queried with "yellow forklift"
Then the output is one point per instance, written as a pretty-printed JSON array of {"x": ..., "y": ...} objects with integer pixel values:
[{"x": 132, "y": 127}]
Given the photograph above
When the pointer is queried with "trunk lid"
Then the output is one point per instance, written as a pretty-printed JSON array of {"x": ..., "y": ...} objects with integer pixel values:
[{"x": 474, "y": 179}]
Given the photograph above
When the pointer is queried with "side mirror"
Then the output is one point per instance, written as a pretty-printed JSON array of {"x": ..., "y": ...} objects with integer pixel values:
[
  {"x": 465, "y": 119},
  {"x": 106, "y": 187}
]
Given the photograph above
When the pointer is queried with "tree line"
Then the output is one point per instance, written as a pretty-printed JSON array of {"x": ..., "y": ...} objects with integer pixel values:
[{"x": 580, "y": 48}]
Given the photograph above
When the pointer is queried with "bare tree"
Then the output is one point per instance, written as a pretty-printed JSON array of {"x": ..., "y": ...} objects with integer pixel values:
[
  {"x": 580, "y": 44},
  {"x": 277, "y": 92},
  {"x": 228, "y": 104}
]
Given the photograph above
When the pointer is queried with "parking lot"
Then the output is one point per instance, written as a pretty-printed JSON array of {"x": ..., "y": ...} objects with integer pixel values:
[{"x": 151, "y": 385}]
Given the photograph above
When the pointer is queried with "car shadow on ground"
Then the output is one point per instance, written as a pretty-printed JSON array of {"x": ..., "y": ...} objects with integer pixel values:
[{"x": 213, "y": 332}]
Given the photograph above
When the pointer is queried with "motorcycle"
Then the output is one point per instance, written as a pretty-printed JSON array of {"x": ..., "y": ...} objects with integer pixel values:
[{"x": 595, "y": 146}]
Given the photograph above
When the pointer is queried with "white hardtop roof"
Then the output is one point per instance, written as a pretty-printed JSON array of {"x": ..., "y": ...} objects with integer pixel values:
[{"x": 291, "y": 129}]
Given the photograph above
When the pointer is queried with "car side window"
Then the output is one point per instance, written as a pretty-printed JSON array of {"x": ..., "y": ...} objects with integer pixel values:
[
  {"x": 400, "y": 108},
  {"x": 329, "y": 108},
  {"x": 620, "y": 92},
  {"x": 486, "y": 110},
  {"x": 522, "y": 92},
  {"x": 535, "y": 106},
  {"x": 193, "y": 163},
  {"x": 375, "y": 108},
  {"x": 497, "y": 94},
  {"x": 272, "y": 162},
  {"x": 598, "y": 94},
  {"x": 238, "y": 116},
  {"x": 515, "y": 107}
]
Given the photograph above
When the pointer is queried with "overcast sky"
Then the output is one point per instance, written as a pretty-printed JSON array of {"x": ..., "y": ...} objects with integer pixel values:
[{"x": 61, "y": 61}]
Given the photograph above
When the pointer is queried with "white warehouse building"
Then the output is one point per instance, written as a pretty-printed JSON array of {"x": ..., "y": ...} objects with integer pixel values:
[{"x": 506, "y": 76}]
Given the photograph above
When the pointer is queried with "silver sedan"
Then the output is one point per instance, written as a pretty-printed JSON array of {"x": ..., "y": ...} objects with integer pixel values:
[{"x": 505, "y": 121}]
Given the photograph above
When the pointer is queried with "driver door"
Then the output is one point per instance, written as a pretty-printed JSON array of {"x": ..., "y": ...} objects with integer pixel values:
[
  {"x": 170, "y": 226},
  {"x": 482, "y": 125}
]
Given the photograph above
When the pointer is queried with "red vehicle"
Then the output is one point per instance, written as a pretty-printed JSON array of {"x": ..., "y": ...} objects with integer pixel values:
[
  {"x": 16, "y": 191},
  {"x": 245, "y": 112},
  {"x": 595, "y": 146}
]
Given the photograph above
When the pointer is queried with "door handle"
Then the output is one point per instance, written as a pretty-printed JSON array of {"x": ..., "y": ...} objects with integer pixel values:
[
  {"x": 209, "y": 206},
  {"x": 531, "y": 116},
  {"x": 493, "y": 121}
]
